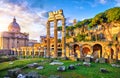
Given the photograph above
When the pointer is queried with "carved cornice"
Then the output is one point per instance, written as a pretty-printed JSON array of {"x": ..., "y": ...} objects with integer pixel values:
[{"x": 58, "y": 15}]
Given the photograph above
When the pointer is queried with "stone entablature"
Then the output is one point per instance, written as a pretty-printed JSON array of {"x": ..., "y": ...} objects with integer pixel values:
[
  {"x": 14, "y": 35},
  {"x": 58, "y": 15}
]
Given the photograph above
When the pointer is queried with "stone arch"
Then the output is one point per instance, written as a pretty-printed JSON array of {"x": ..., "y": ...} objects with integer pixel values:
[
  {"x": 76, "y": 50},
  {"x": 86, "y": 49},
  {"x": 112, "y": 53},
  {"x": 97, "y": 50}
]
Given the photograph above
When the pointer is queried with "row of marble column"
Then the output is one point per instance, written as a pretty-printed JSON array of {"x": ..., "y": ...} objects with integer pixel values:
[
  {"x": 27, "y": 52},
  {"x": 56, "y": 38}
]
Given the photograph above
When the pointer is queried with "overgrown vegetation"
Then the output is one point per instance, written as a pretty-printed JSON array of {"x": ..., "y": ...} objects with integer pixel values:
[
  {"x": 80, "y": 37},
  {"x": 110, "y": 15},
  {"x": 104, "y": 18}
]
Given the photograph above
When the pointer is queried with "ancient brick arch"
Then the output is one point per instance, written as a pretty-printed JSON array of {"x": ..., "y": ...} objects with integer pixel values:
[
  {"x": 100, "y": 43},
  {"x": 97, "y": 50},
  {"x": 86, "y": 49},
  {"x": 112, "y": 53},
  {"x": 76, "y": 49}
]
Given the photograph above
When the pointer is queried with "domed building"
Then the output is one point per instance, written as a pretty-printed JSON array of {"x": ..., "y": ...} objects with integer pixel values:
[
  {"x": 14, "y": 26},
  {"x": 13, "y": 38}
]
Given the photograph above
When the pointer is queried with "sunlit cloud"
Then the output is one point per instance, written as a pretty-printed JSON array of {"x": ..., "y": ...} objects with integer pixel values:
[{"x": 31, "y": 20}]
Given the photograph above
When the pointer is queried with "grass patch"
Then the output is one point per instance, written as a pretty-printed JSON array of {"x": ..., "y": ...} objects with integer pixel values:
[{"x": 79, "y": 72}]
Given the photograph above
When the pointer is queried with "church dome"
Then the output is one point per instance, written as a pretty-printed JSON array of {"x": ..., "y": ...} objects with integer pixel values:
[{"x": 14, "y": 26}]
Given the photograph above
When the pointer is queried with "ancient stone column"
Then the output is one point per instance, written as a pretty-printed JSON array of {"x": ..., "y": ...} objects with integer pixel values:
[
  {"x": 48, "y": 39},
  {"x": 81, "y": 54},
  {"x": 63, "y": 39},
  {"x": 117, "y": 51},
  {"x": 55, "y": 39}
]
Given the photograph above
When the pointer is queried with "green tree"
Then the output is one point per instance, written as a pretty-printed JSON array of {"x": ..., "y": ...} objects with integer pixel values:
[
  {"x": 80, "y": 37},
  {"x": 59, "y": 28},
  {"x": 109, "y": 15},
  {"x": 70, "y": 30},
  {"x": 59, "y": 40},
  {"x": 83, "y": 23},
  {"x": 98, "y": 19},
  {"x": 113, "y": 14}
]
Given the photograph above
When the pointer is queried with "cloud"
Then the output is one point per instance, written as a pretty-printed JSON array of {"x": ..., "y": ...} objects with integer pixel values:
[
  {"x": 102, "y": 1},
  {"x": 31, "y": 20},
  {"x": 79, "y": 7},
  {"x": 69, "y": 21},
  {"x": 95, "y": 3},
  {"x": 117, "y": 2}
]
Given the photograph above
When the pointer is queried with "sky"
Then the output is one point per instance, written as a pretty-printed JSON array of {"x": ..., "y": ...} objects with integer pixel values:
[{"x": 32, "y": 15}]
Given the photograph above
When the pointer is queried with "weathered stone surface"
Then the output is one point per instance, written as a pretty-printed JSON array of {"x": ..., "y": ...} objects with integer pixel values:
[
  {"x": 104, "y": 70},
  {"x": 87, "y": 64},
  {"x": 32, "y": 75},
  {"x": 40, "y": 67},
  {"x": 34, "y": 65},
  {"x": 61, "y": 68},
  {"x": 20, "y": 76},
  {"x": 13, "y": 73},
  {"x": 71, "y": 67},
  {"x": 78, "y": 64},
  {"x": 56, "y": 63},
  {"x": 97, "y": 60},
  {"x": 102, "y": 60},
  {"x": 115, "y": 65}
]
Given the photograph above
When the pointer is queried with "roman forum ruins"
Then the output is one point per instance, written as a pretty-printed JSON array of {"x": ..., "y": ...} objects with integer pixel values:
[{"x": 55, "y": 17}]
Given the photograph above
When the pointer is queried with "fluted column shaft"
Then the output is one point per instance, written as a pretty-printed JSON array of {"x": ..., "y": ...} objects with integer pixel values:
[
  {"x": 63, "y": 39},
  {"x": 55, "y": 39},
  {"x": 48, "y": 39}
]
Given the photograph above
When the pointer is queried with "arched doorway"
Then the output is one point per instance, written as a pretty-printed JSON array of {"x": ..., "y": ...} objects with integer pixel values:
[
  {"x": 85, "y": 51},
  {"x": 97, "y": 51},
  {"x": 112, "y": 53},
  {"x": 76, "y": 48}
]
